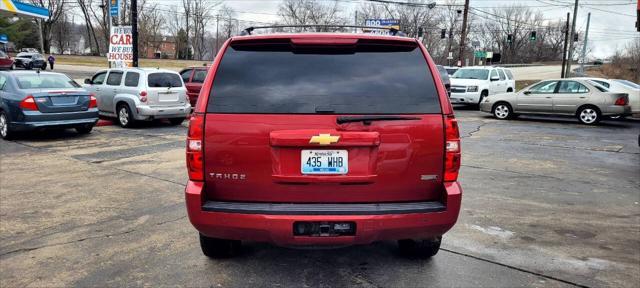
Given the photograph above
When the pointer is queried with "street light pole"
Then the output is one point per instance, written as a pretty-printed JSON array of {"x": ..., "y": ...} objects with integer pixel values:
[
  {"x": 134, "y": 31},
  {"x": 108, "y": 25}
]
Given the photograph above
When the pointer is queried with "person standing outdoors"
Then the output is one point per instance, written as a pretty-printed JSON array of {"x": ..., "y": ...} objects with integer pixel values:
[{"x": 51, "y": 60}]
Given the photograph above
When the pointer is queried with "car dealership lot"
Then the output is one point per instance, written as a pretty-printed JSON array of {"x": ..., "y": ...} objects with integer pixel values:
[{"x": 547, "y": 202}]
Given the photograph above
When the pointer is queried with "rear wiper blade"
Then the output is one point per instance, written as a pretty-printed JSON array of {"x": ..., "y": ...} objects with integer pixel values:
[{"x": 367, "y": 119}]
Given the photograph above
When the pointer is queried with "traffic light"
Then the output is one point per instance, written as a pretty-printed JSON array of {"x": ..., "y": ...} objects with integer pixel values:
[
  {"x": 443, "y": 33},
  {"x": 575, "y": 37},
  {"x": 510, "y": 38},
  {"x": 533, "y": 36}
]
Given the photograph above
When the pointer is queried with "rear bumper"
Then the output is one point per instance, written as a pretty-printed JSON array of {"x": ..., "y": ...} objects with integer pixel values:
[
  {"x": 162, "y": 112},
  {"x": 36, "y": 120},
  {"x": 273, "y": 223}
]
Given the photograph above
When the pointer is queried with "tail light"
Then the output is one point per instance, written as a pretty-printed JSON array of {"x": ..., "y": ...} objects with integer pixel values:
[
  {"x": 195, "y": 161},
  {"x": 143, "y": 96},
  {"x": 452, "y": 149},
  {"x": 622, "y": 101},
  {"x": 29, "y": 103},
  {"x": 93, "y": 102}
]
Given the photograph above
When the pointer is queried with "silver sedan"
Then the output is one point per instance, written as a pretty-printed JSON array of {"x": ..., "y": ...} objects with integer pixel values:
[{"x": 584, "y": 99}]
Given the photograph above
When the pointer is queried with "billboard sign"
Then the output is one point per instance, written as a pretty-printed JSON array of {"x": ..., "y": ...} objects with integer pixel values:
[
  {"x": 389, "y": 23},
  {"x": 120, "y": 47}
]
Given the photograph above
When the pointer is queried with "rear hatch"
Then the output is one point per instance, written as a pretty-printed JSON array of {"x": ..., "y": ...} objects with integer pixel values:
[
  {"x": 165, "y": 89},
  {"x": 298, "y": 121}
]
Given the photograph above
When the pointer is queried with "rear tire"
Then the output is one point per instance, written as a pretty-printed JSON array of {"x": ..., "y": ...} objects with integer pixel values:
[
  {"x": 589, "y": 115},
  {"x": 125, "y": 117},
  {"x": 219, "y": 248},
  {"x": 423, "y": 249},
  {"x": 5, "y": 132},
  {"x": 84, "y": 129},
  {"x": 176, "y": 121}
]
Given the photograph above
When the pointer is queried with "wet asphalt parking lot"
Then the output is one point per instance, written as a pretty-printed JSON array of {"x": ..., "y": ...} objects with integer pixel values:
[{"x": 547, "y": 203}]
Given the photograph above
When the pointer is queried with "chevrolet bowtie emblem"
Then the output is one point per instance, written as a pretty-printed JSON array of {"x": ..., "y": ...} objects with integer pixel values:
[{"x": 324, "y": 139}]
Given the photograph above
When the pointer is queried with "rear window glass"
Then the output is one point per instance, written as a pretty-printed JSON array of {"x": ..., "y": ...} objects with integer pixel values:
[
  {"x": 509, "y": 74},
  {"x": 365, "y": 79},
  {"x": 164, "y": 80},
  {"x": 45, "y": 81}
]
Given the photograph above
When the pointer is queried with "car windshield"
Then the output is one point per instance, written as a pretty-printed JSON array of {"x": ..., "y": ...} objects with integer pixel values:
[
  {"x": 45, "y": 81},
  {"x": 481, "y": 74},
  {"x": 366, "y": 79},
  {"x": 164, "y": 79},
  {"x": 598, "y": 86},
  {"x": 627, "y": 83}
]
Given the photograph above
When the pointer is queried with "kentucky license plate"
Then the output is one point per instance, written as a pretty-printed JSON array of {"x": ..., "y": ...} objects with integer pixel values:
[{"x": 324, "y": 161}]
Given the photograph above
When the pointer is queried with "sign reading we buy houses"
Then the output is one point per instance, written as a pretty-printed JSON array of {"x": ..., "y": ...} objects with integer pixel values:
[{"x": 120, "y": 46}]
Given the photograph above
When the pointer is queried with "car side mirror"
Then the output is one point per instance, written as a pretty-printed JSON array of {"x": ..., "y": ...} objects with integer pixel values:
[
  {"x": 495, "y": 78},
  {"x": 527, "y": 92},
  {"x": 88, "y": 81}
]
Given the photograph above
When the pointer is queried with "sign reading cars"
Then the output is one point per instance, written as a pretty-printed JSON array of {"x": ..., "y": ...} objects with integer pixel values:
[
  {"x": 389, "y": 23},
  {"x": 120, "y": 47}
]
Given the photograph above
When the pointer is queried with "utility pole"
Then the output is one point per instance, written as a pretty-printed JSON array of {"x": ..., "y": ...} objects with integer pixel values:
[
  {"x": 355, "y": 22},
  {"x": 464, "y": 31},
  {"x": 584, "y": 44},
  {"x": 108, "y": 25},
  {"x": 134, "y": 31},
  {"x": 564, "y": 50},
  {"x": 573, "y": 31},
  {"x": 217, "y": 20}
]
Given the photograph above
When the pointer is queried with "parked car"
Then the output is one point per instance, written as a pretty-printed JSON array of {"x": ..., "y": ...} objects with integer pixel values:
[
  {"x": 44, "y": 100},
  {"x": 30, "y": 50},
  {"x": 6, "y": 62},
  {"x": 323, "y": 139},
  {"x": 469, "y": 85},
  {"x": 140, "y": 94},
  {"x": 622, "y": 86},
  {"x": 30, "y": 61},
  {"x": 193, "y": 78},
  {"x": 445, "y": 78},
  {"x": 584, "y": 99}
]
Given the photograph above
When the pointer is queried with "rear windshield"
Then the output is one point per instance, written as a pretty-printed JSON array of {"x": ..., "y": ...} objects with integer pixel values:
[
  {"x": 45, "y": 81},
  {"x": 161, "y": 79},
  {"x": 364, "y": 79}
]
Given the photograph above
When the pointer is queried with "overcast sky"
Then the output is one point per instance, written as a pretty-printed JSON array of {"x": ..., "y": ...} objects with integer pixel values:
[{"x": 612, "y": 21}]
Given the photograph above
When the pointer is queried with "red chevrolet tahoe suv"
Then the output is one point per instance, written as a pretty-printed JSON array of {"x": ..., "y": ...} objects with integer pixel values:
[{"x": 323, "y": 139}]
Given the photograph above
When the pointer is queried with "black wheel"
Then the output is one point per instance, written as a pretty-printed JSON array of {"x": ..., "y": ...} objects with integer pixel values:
[
  {"x": 84, "y": 129},
  {"x": 219, "y": 248},
  {"x": 502, "y": 111},
  {"x": 5, "y": 133},
  {"x": 44, "y": 67},
  {"x": 425, "y": 248},
  {"x": 176, "y": 121},
  {"x": 589, "y": 115},
  {"x": 125, "y": 117}
]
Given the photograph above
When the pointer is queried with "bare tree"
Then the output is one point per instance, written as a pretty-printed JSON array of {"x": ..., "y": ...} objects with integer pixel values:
[
  {"x": 187, "y": 6},
  {"x": 309, "y": 12},
  {"x": 60, "y": 34},
  {"x": 56, "y": 9},
  {"x": 201, "y": 18},
  {"x": 150, "y": 26},
  {"x": 85, "y": 6}
]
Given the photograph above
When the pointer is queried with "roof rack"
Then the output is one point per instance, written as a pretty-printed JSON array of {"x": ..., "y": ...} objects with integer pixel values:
[{"x": 394, "y": 31}]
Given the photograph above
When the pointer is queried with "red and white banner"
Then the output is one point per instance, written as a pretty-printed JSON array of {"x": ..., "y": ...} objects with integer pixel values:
[{"x": 120, "y": 47}]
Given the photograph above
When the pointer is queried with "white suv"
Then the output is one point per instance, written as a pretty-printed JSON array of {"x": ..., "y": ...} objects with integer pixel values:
[
  {"x": 469, "y": 85},
  {"x": 134, "y": 94}
]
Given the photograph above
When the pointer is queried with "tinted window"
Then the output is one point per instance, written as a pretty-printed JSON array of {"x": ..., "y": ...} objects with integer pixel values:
[
  {"x": 481, "y": 74},
  {"x": 163, "y": 79},
  {"x": 98, "y": 79},
  {"x": 131, "y": 80},
  {"x": 186, "y": 75},
  {"x": 502, "y": 77},
  {"x": 114, "y": 78},
  {"x": 572, "y": 87},
  {"x": 199, "y": 75},
  {"x": 509, "y": 74},
  {"x": 45, "y": 81},
  {"x": 544, "y": 87},
  {"x": 366, "y": 79}
]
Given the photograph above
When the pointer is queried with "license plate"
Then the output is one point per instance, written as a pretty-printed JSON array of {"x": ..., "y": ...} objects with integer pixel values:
[
  {"x": 168, "y": 97},
  {"x": 324, "y": 161},
  {"x": 63, "y": 100}
]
